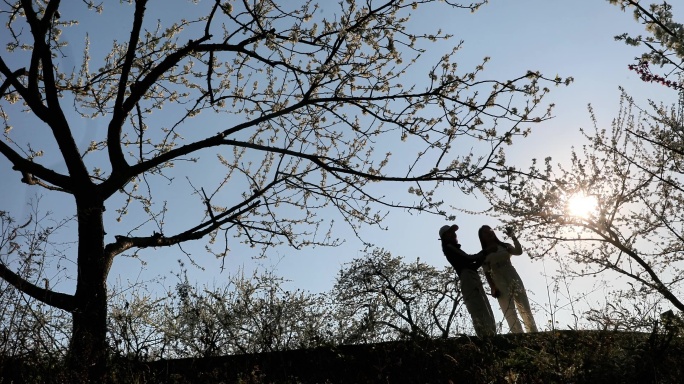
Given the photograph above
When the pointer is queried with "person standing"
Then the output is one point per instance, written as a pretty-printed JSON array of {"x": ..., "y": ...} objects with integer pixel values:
[
  {"x": 507, "y": 286},
  {"x": 466, "y": 267}
]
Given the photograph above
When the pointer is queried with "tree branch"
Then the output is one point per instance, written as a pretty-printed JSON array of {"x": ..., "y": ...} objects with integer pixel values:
[
  {"x": 116, "y": 156},
  {"x": 41, "y": 61},
  {"x": 55, "y": 299},
  {"x": 29, "y": 169},
  {"x": 657, "y": 283},
  {"x": 159, "y": 240}
]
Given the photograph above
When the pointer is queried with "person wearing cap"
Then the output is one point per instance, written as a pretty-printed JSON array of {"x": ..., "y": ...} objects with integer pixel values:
[
  {"x": 507, "y": 286},
  {"x": 466, "y": 267}
]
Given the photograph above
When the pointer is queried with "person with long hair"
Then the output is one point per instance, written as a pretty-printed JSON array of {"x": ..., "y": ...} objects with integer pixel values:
[
  {"x": 474, "y": 295},
  {"x": 507, "y": 286}
]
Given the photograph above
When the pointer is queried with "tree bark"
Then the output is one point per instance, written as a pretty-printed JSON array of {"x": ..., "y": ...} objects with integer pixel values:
[{"x": 87, "y": 357}]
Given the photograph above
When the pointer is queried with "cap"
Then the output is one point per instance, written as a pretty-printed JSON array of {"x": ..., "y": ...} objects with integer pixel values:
[{"x": 445, "y": 228}]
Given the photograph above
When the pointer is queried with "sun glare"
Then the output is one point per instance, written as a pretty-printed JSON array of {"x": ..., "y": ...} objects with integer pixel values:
[{"x": 581, "y": 205}]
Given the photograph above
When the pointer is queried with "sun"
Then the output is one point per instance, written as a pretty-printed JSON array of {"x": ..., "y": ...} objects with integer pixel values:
[{"x": 581, "y": 205}]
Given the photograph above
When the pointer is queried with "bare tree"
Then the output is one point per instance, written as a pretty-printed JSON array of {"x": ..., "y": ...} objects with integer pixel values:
[
  {"x": 384, "y": 298},
  {"x": 303, "y": 96}
]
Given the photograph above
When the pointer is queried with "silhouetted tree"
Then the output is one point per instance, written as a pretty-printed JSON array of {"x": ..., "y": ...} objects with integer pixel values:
[
  {"x": 301, "y": 95},
  {"x": 383, "y": 298}
]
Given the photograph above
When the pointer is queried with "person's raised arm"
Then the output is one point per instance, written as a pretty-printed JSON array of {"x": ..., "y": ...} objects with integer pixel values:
[{"x": 517, "y": 248}]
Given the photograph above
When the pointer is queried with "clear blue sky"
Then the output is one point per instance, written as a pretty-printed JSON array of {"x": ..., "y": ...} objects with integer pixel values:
[{"x": 569, "y": 38}]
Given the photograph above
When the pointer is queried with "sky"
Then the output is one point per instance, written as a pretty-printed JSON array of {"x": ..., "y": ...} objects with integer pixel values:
[{"x": 568, "y": 38}]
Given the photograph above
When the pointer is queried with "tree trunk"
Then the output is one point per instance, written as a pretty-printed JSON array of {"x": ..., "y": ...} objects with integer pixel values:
[{"x": 87, "y": 358}]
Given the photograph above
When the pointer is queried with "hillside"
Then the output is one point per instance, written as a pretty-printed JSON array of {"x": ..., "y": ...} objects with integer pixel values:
[{"x": 547, "y": 357}]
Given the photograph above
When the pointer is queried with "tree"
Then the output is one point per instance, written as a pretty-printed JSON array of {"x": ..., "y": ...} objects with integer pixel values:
[
  {"x": 635, "y": 227},
  {"x": 382, "y": 298},
  {"x": 631, "y": 174},
  {"x": 308, "y": 100}
]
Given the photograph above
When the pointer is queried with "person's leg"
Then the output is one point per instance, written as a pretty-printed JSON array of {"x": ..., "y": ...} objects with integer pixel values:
[
  {"x": 488, "y": 314},
  {"x": 507, "y": 302},
  {"x": 523, "y": 304},
  {"x": 477, "y": 304}
]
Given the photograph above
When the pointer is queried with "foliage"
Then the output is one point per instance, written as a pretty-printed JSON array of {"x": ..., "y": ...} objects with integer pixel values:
[
  {"x": 664, "y": 42},
  {"x": 644, "y": 70},
  {"x": 31, "y": 332},
  {"x": 29, "y": 327},
  {"x": 256, "y": 314},
  {"x": 251, "y": 314}
]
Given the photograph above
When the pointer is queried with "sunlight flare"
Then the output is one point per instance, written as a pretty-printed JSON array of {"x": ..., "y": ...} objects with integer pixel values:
[{"x": 581, "y": 205}]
